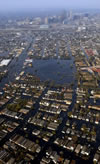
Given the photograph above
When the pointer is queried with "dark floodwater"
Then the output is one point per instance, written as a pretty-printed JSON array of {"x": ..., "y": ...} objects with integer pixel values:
[{"x": 60, "y": 71}]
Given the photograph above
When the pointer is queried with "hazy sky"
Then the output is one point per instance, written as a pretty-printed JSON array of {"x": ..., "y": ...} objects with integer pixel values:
[{"x": 29, "y": 4}]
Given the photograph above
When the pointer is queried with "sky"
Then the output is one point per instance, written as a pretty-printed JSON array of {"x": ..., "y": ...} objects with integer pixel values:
[{"x": 47, "y": 4}]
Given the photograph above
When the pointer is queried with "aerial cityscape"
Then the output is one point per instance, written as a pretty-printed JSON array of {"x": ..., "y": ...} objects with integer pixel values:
[{"x": 50, "y": 86}]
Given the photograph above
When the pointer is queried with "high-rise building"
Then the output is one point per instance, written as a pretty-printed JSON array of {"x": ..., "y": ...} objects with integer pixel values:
[
  {"x": 63, "y": 15},
  {"x": 46, "y": 20},
  {"x": 70, "y": 14}
]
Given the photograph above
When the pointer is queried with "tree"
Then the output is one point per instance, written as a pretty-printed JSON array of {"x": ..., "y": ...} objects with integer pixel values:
[{"x": 69, "y": 114}]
